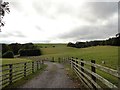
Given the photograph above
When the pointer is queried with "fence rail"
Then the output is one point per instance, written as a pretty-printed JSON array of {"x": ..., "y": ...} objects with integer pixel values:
[
  {"x": 13, "y": 72},
  {"x": 89, "y": 76}
]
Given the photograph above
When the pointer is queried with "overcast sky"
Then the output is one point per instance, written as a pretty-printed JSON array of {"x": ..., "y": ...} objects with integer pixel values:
[{"x": 59, "y": 21}]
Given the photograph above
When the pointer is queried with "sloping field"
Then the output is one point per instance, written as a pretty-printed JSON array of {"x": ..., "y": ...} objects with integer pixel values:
[
  {"x": 14, "y": 60},
  {"x": 109, "y": 54}
]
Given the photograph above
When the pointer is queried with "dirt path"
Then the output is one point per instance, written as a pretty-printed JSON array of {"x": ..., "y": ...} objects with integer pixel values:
[{"x": 53, "y": 77}]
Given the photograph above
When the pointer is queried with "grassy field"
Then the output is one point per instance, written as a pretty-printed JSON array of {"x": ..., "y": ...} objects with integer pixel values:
[
  {"x": 109, "y": 54},
  {"x": 15, "y": 60}
]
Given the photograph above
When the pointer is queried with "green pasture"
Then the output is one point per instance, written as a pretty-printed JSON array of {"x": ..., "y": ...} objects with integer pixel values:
[
  {"x": 50, "y": 45},
  {"x": 14, "y": 60},
  {"x": 109, "y": 54}
]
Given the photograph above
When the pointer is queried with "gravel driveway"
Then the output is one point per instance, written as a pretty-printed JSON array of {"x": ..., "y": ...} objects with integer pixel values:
[{"x": 53, "y": 77}]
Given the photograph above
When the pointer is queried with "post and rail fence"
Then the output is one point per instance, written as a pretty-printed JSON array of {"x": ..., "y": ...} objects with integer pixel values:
[
  {"x": 89, "y": 77},
  {"x": 86, "y": 71},
  {"x": 13, "y": 72}
]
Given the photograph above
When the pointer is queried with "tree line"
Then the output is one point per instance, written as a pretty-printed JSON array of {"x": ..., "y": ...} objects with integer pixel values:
[
  {"x": 27, "y": 49},
  {"x": 114, "y": 41}
]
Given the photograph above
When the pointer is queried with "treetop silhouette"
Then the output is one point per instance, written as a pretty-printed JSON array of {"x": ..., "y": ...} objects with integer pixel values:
[{"x": 4, "y": 8}]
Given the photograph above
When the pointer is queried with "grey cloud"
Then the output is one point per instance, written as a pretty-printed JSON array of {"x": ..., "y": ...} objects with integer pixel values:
[
  {"x": 6, "y": 41},
  {"x": 65, "y": 8},
  {"x": 38, "y": 7},
  {"x": 42, "y": 6},
  {"x": 12, "y": 34},
  {"x": 91, "y": 32},
  {"x": 41, "y": 41},
  {"x": 45, "y": 7},
  {"x": 15, "y": 4},
  {"x": 102, "y": 10},
  {"x": 76, "y": 32},
  {"x": 91, "y": 11},
  {"x": 95, "y": 11},
  {"x": 38, "y": 27}
]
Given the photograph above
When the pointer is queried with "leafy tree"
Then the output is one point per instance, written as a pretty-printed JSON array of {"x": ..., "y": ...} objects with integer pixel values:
[
  {"x": 5, "y": 48},
  {"x": 114, "y": 41},
  {"x": 15, "y": 47},
  {"x": 4, "y": 7},
  {"x": 70, "y": 44},
  {"x": 30, "y": 52},
  {"x": 28, "y": 46},
  {"x": 80, "y": 44},
  {"x": 8, "y": 54}
]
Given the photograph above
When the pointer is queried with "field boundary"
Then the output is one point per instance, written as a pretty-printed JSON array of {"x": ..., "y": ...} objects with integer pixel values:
[
  {"x": 17, "y": 71},
  {"x": 89, "y": 77}
]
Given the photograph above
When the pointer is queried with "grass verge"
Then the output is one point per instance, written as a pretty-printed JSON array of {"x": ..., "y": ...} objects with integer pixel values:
[{"x": 73, "y": 77}]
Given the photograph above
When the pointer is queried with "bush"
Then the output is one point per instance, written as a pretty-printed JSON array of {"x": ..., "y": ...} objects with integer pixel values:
[
  {"x": 15, "y": 47},
  {"x": 30, "y": 52},
  {"x": 8, "y": 54},
  {"x": 53, "y": 46},
  {"x": 70, "y": 44},
  {"x": 5, "y": 48}
]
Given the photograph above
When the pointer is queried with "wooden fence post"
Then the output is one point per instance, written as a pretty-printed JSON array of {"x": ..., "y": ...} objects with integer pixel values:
[
  {"x": 63, "y": 59},
  {"x": 32, "y": 67},
  {"x": 24, "y": 69},
  {"x": 93, "y": 70},
  {"x": 82, "y": 64},
  {"x": 119, "y": 77},
  {"x": 52, "y": 59},
  {"x": 37, "y": 65},
  {"x": 76, "y": 62},
  {"x": 40, "y": 64},
  {"x": 10, "y": 73},
  {"x": 71, "y": 62},
  {"x": 67, "y": 59},
  {"x": 42, "y": 61},
  {"x": 59, "y": 59}
]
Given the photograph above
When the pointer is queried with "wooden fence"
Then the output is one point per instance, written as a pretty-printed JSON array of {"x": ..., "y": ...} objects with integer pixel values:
[
  {"x": 89, "y": 77},
  {"x": 56, "y": 59},
  {"x": 13, "y": 72}
]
